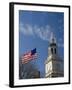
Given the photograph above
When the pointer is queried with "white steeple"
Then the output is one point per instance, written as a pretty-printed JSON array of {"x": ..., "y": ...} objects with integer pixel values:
[
  {"x": 54, "y": 66},
  {"x": 52, "y": 49},
  {"x": 52, "y": 38}
]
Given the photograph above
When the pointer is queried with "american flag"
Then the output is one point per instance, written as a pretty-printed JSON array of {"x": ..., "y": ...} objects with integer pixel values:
[{"x": 31, "y": 55}]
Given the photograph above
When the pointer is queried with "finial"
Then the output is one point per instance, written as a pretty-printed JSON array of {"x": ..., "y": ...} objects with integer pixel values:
[{"x": 52, "y": 39}]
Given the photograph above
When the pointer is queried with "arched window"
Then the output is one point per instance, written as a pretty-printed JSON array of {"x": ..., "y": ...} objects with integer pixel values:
[
  {"x": 55, "y": 50},
  {"x": 52, "y": 50}
]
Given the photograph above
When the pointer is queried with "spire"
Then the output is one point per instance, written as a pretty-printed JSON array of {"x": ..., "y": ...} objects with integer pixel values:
[
  {"x": 52, "y": 46},
  {"x": 52, "y": 39}
]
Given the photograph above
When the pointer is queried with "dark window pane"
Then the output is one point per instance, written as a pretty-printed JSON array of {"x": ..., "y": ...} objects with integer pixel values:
[
  {"x": 52, "y": 50},
  {"x": 55, "y": 50}
]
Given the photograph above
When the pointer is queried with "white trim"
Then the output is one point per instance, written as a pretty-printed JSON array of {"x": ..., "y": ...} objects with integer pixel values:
[{"x": 16, "y": 45}]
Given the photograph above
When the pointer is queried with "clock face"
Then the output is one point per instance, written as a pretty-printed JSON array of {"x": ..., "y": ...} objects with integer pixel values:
[{"x": 48, "y": 67}]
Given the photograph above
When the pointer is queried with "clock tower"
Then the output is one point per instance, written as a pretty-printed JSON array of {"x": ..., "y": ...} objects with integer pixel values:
[{"x": 54, "y": 65}]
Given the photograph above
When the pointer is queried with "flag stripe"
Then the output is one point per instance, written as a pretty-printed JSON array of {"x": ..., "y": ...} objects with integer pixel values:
[
  {"x": 26, "y": 61},
  {"x": 24, "y": 58},
  {"x": 29, "y": 56}
]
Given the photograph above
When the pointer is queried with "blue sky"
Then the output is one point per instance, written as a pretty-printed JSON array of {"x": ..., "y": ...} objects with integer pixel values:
[{"x": 35, "y": 29}]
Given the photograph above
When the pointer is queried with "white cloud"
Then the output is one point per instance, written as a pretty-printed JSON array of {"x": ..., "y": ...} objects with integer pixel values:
[
  {"x": 26, "y": 29},
  {"x": 41, "y": 32}
]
